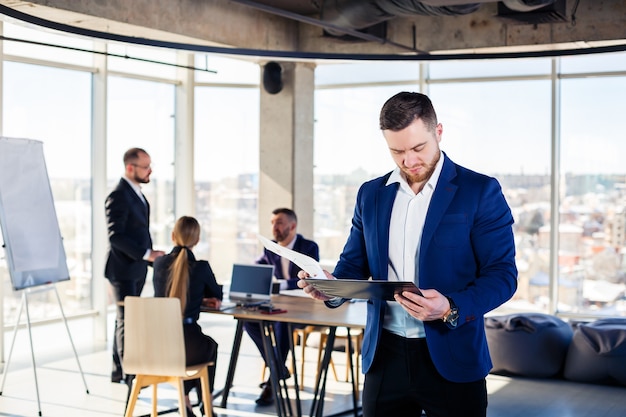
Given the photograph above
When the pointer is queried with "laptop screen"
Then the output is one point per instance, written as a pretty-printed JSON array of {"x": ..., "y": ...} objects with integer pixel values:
[{"x": 251, "y": 283}]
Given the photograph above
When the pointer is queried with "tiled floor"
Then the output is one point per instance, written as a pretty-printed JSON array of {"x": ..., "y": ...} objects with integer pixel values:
[{"x": 62, "y": 391}]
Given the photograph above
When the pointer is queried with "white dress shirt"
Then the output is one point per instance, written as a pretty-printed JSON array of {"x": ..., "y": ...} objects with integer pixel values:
[
  {"x": 405, "y": 232},
  {"x": 284, "y": 263}
]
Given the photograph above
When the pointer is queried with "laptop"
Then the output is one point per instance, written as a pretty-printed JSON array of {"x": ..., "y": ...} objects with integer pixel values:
[{"x": 250, "y": 284}]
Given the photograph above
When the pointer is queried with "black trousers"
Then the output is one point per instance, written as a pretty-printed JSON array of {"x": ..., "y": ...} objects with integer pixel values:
[
  {"x": 199, "y": 348},
  {"x": 404, "y": 382},
  {"x": 121, "y": 289}
]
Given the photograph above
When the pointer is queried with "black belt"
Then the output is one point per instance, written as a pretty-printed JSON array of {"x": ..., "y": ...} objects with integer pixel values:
[{"x": 189, "y": 320}]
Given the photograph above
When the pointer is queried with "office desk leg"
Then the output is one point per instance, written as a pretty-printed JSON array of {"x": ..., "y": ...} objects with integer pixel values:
[
  {"x": 233, "y": 363},
  {"x": 355, "y": 387},
  {"x": 295, "y": 370},
  {"x": 317, "y": 405},
  {"x": 270, "y": 346}
]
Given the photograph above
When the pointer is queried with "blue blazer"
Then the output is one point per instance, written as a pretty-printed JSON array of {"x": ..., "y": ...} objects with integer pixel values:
[
  {"x": 467, "y": 253},
  {"x": 301, "y": 245}
]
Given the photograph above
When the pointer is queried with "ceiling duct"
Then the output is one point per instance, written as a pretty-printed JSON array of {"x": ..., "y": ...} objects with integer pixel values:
[
  {"x": 364, "y": 14},
  {"x": 527, "y": 5},
  {"x": 360, "y": 14},
  {"x": 532, "y": 12}
]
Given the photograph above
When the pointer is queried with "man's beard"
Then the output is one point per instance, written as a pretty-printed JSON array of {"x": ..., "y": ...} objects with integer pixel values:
[
  {"x": 141, "y": 180},
  {"x": 424, "y": 176},
  {"x": 280, "y": 235}
]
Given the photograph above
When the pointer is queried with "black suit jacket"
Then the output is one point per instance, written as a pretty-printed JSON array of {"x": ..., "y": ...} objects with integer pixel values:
[
  {"x": 128, "y": 223},
  {"x": 202, "y": 282}
]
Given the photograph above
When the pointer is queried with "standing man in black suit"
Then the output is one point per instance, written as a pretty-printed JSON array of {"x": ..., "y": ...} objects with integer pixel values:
[{"x": 130, "y": 244}]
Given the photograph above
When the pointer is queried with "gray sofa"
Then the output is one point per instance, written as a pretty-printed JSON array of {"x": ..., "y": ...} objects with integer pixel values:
[{"x": 545, "y": 346}]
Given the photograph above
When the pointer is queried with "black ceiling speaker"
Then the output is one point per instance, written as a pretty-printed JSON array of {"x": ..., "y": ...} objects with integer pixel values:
[{"x": 273, "y": 77}]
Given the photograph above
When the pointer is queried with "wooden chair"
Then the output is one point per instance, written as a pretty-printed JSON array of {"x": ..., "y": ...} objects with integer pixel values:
[
  {"x": 301, "y": 336},
  {"x": 154, "y": 351}
]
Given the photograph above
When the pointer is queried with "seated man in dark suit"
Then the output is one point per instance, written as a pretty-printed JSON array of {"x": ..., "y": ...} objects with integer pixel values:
[{"x": 284, "y": 224}]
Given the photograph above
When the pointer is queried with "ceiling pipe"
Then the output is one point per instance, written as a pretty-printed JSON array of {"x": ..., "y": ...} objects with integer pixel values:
[
  {"x": 325, "y": 25},
  {"x": 360, "y": 14},
  {"x": 526, "y": 5}
]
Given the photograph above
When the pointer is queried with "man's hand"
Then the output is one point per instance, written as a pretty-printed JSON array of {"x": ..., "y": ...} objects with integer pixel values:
[
  {"x": 155, "y": 254},
  {"x": 213, "y": 303},
  {"x": 431, "y": 306},
  {"x": 310, "y": 289}
]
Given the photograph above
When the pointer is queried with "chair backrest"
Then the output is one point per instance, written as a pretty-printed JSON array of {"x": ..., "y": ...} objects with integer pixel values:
[{"x": 153, "y": 336}]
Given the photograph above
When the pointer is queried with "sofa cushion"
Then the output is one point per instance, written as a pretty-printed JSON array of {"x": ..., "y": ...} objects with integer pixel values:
[
  {"x": 598, "y": 352},
  {"x": 528, "y": 344}
]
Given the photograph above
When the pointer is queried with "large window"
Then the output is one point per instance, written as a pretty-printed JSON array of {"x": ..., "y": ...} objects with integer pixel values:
[
  {"x": 507, "y": 137},
  {"x": 497, "y": 118},
  {"x": 226, "y": 161},
  {"x": 53, "y": 105},
  {"x": 141, "y": 114},
  {"x": 348, "y": 145},
  {"x": 592, "y": 237},
  {"x": 349, "y": 149},
  {"x": 500, "y": 117}
]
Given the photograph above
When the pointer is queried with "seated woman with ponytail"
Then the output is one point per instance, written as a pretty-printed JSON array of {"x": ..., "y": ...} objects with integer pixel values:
[{"x": 179, "y": 274}]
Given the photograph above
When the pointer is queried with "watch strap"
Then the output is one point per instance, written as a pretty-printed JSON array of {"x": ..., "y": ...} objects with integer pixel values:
[{"x": 451, "y": 319}]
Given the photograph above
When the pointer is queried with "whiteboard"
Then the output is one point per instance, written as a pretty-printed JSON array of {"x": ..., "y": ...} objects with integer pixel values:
[{"x": 32, "y": 240}]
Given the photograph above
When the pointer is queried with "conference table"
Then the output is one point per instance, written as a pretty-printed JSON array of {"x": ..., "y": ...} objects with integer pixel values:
[{"x": 299, "y": 309}]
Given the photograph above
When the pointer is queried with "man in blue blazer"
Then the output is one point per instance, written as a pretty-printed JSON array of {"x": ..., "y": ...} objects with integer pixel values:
[
  {"x": 449, "y": 230},
  {"x": 130, "y": 244},
  {"x": 284, "y": 229}
]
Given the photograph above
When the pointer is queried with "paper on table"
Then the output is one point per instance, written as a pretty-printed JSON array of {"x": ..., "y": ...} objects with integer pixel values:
[
  {"x": 308, "y": 264},
  {"x": 296, "y": 292}
]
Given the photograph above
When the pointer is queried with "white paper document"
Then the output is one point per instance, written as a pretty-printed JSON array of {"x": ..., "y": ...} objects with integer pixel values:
[
  {"x": 308, "y": 264},
  {"x": 296, "y": 292}
]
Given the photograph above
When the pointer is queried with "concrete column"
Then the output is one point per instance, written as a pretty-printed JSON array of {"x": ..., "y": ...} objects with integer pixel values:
[
  {"x": 184, "y": 192},
  {"x": 286, "y": 147}
]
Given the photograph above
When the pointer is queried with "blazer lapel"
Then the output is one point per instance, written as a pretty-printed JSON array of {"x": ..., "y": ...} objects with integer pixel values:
[
  {"x": 384, "y": 204},
  {"x": 141, "y": 205},
  {"x": 443, "y": 195},
  {"x": 146, "y": 205}
]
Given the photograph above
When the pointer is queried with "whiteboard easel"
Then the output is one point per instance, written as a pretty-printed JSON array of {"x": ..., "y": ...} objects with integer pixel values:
[
  {"x": 30, "y": 231},
  {"x": 23, "y": 304}
]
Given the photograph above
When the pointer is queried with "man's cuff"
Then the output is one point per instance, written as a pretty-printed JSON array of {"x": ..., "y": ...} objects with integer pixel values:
[
  {"x": 146, "y": 256},
  {"x": 335, "y": 302}
]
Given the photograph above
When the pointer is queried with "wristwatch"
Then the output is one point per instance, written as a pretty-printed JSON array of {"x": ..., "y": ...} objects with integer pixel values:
[{"x": 452, "y": 318}]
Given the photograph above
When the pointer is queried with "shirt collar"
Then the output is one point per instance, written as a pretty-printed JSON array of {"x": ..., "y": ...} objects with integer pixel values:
[
  {"x": 135, "y": 186},
  {"x": 137, "y": 189},
  {"x": 292, "y": 243}
]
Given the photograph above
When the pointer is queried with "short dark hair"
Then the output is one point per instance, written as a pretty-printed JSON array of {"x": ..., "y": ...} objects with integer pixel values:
[
  {"x": 132, "y": 155},
  {"x": 287, "y": 212},
  {"x": 404, "y": 108}
]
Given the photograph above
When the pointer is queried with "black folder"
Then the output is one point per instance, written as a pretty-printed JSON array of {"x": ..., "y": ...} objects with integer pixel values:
[{"x": 362, "y": 289}]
